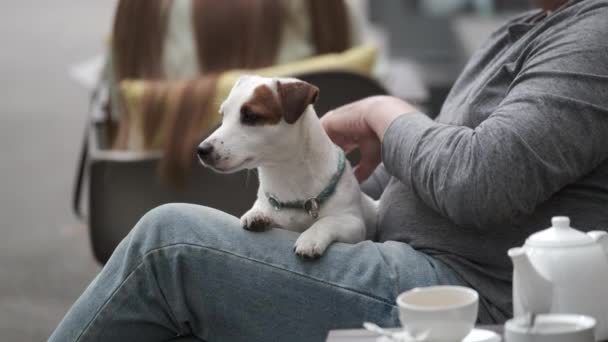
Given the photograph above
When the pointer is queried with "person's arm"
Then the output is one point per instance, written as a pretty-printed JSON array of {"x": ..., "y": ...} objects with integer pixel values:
[{"x": 549, "y": 131}]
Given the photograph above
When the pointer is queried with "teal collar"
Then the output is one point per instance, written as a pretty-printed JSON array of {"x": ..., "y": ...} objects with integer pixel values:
[{"x": 313, "y": 205}]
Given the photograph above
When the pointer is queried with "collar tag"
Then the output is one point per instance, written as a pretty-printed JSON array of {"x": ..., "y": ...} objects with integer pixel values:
[{"x": 312, "y": 207}]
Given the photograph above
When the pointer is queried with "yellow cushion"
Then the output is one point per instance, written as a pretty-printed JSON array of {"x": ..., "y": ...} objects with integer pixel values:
[
  {"x": 359, "y": 59},
  {"x": 132, "y": 93}
]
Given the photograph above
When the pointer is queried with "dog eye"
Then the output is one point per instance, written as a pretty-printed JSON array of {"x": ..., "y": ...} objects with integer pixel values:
[{"x": 248, "y": 117}]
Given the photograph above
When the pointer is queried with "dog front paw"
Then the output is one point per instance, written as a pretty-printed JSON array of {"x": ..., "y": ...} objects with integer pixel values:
[
  {"x": 309, "y": 246},
  {"x": 255, "y": 221}
]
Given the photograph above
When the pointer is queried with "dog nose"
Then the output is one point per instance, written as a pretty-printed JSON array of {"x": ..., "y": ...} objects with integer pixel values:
[{"x": 204, "y": 151}]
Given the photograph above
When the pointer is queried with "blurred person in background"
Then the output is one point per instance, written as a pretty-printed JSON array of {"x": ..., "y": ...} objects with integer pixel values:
[
  {"x": 520, "y": 138},
  {"x": 182, "y": 46}
]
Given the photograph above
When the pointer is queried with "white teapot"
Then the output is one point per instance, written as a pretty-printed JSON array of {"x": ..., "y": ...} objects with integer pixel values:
[{"x": 563, "y": 270}]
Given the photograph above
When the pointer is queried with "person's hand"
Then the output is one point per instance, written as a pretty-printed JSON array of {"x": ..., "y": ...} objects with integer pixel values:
[{"x": 362, "y": 125}]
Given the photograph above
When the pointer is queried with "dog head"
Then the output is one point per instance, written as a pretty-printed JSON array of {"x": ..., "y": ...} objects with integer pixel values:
[{"x": 261, "y": 119}]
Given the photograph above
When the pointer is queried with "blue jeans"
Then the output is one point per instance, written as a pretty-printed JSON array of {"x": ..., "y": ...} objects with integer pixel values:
[{"x": 190, "y": 272}]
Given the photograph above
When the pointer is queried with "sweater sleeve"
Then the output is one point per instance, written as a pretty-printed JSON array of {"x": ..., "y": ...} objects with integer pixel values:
[{"x": 550, "y": 130}]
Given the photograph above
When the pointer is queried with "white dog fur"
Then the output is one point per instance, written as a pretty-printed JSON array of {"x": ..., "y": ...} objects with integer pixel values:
[{"x": 270, "y": 124}]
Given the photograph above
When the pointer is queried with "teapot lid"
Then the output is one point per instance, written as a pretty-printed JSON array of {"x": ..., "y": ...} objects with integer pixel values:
[{"x": 559, "y": 235}]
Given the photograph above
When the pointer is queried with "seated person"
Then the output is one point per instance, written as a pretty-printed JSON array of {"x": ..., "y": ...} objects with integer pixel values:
[{"x": 521, "y": 138}]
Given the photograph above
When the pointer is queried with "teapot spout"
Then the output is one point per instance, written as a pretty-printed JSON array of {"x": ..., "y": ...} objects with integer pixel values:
[
  {"x": 600, "y": 237},
  {"x": 531, "y": 291}
]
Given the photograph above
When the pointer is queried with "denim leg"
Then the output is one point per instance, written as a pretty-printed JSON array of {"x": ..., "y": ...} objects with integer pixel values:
[{"x": 190, "y": 270}]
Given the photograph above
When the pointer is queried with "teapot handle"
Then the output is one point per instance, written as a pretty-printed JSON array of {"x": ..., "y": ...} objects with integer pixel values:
[{"x": 600, "y": 237}]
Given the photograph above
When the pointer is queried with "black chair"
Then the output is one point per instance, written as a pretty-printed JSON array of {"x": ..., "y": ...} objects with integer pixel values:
[
  {"x": 124, "y": 185},
  {"x": 338, "y": 88}
]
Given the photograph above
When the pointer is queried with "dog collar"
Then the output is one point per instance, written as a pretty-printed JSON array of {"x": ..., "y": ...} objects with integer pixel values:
[{"x": 313, "y": 205}]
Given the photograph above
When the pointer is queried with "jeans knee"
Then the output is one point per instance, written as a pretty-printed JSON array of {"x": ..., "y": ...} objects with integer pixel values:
[
  {"x": 176, "y": 223},
  {"x": 166, "y": 214}
]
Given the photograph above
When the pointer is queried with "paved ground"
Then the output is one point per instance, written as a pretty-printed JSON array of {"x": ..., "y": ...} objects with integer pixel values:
[{"x": 45, "y": 259}]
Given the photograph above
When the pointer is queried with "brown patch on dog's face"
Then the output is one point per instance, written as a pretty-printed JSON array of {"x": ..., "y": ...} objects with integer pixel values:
[{"x": 262, "y": 109}]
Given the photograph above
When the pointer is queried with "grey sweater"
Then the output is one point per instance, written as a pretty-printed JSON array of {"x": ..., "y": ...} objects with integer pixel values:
[{"x": 522, "y": 136}]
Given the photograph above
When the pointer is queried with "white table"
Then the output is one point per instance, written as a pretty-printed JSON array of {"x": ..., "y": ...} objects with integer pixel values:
[{"x": 362, "y": 335}]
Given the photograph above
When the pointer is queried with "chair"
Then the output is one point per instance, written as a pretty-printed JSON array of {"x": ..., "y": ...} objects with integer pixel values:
[
  {"x": 123, "y": 185},
  {"x": 338, "y": 88}
]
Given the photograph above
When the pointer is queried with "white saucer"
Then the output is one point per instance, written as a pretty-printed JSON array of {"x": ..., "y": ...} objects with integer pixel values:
[
  {"x": 482, "y": 335},
  {"x": 476, "y": 335}
]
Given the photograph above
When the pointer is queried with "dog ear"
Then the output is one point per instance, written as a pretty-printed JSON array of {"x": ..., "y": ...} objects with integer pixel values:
[{"x": 295, "y": 97}]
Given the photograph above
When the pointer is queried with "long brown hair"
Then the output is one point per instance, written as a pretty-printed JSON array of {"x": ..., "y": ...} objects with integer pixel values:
[
  {"x": 330, "y": 25},
  {"x": 137, "y": 38},
  {"x": 237, "y": 33},
  {"x": 185, "y": 106},
  {"x": 231, "y": 34}
]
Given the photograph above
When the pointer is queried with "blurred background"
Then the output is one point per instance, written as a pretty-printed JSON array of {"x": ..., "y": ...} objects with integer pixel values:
[{"x": 55, "y": 56}]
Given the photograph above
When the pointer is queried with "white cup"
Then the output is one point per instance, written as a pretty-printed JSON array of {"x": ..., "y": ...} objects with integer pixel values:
[
  {"x": 551, "y": 328},
  {"x": 444, "y": 313}
]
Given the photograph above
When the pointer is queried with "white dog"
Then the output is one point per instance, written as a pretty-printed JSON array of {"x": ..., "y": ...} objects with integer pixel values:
[{"x": 306, "y": 184}]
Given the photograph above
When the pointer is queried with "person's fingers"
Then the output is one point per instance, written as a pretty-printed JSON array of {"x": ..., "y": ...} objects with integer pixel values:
[
  {"x": 338, "y": 132},
  {"x": 363, "y": 171},
  {"x": 348, "y": 148},
  {"x": 345, "y": 143},
  {"x": 346, "y": 127},
  {"x": 370, "y": 159},
  {"x": 334, "y": 120},
  {"x": 332, "y": 127},
  {"x": 327, "y": 116},
  {"x": 339, "y": 119}
]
